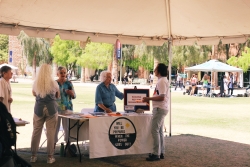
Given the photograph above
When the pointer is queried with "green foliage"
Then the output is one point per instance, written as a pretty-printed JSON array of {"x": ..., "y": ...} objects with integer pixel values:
[
  {"x": 96, "y": 55},
  {"x": 159, "y": 52},
  {"x": 242, "y": 62},
  {"x": 65, "y": 52},
  {"x": 4, "y": 47},
  {"x": 190, "y": 55},
  {"x": 36, "y": 49}
]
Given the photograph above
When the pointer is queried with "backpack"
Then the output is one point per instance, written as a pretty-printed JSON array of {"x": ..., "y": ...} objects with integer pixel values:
[{"x": 7, "y": 128}]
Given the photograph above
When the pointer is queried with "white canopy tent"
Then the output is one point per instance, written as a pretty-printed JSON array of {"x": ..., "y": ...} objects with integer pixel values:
[
  {"x": 9, "y": 65},
  {"x": 216, "y": 66},
  {"x": 179, "y": 22},
  {"x": 152, "y": 21}
]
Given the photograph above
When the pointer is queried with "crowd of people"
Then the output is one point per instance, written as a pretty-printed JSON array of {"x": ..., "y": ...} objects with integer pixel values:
[
  {"x": 53, "y": 97},
  {"x": 226, "y": 85}
]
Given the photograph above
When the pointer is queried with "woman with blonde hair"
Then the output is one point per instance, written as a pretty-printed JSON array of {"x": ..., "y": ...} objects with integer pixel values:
[{"x": 46, "y": 91}]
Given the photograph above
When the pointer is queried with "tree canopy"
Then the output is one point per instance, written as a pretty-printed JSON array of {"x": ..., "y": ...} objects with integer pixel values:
[
  {"x": 65, "y": 52},
  {"x": 4, "y": 47},
  {"x": 96, "y": 55},
  {"x": 242, "y": 62}
]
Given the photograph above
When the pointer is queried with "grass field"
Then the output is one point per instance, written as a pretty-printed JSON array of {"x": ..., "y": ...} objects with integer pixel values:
[{"x": 220, "y": 118}]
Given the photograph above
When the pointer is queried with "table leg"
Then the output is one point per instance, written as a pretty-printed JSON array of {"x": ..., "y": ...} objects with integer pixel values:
[{"x": 68, "y": 141}]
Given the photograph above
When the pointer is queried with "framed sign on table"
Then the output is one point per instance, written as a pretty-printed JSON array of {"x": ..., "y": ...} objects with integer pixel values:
[{"x": 133, "y": 99}]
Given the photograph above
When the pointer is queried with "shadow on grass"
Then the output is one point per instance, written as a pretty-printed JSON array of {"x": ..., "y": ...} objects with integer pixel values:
[{"x": 181, "y": 150}]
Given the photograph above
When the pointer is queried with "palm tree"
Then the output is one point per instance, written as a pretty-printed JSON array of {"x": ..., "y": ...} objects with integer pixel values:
[{"x": 36, "y": 50}]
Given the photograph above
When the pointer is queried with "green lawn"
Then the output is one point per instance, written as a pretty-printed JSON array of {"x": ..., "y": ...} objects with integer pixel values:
[{"x": 221, "y": 118}]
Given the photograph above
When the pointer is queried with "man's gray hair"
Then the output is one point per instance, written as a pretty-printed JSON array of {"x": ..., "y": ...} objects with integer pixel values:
[{"x": 103, "y": 75}]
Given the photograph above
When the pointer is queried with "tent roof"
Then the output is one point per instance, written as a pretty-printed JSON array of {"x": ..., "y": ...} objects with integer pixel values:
[
  {"x": 214, "y": 66},
  {"x": 9, "y": 65},
  {"x": 152, "y": 21}
]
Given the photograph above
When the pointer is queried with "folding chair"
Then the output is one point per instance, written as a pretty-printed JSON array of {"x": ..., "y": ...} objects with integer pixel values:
[{"x": 45, "y": 131}]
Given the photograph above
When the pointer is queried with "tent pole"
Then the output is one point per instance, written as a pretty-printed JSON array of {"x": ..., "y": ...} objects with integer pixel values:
[
  {"x": 170, "y": 71},
  {"x": 169, "y": 57}
]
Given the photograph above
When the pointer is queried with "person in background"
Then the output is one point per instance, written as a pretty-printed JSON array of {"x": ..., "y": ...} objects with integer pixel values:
[
  {"x": 204, "y": 83},
  {"x": 225, "y": 82},
  {"x": 209, "y": 83},
  {"x": 105, "y": 94},
  {"x": 193, "y": 83},
  {"x": 222, "y": 88},
  {"x": 151, "y": 79},
  {"x": 160, "y": 109},
  {"x": 178, "y": 82},
  {"x": 67, "y": 93},
  {"x": 231, "y": 83},
  {"x": 5, "y": 88},
  {"x": 46, "y": 91}
]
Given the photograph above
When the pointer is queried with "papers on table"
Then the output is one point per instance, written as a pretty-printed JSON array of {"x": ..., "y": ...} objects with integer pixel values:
[{"x": 20, "y": 122}]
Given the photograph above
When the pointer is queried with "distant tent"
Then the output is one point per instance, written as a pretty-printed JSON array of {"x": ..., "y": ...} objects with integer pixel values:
[
  {"x": 216, "y": 66},
  {"x": 11, "y": 66}
]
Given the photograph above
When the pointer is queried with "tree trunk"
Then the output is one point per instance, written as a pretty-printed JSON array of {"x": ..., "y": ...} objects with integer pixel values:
[
  {"x": 156, "y": 62},
  {"x": 34, "y": 67},
  {"x": 114, "y": 67},
  {"x": 83, "y": 74}
]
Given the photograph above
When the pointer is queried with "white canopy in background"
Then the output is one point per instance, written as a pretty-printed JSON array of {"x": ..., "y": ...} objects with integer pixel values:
[
  {"x": 152, "y": 21},
  {"x": 216, "y": 66},
  {"x": 9, "y": 65}
]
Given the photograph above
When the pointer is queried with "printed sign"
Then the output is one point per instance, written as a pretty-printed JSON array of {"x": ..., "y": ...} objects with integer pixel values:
[
  {"x": 122, "y": 133},
  {"x": 135, "y": 99},
  {"x": 118, "y": 49},
  {"x": 10, "y": 57}
]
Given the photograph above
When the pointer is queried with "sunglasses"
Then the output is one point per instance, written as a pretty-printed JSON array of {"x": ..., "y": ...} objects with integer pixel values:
[{"x": 62, "y": 72}]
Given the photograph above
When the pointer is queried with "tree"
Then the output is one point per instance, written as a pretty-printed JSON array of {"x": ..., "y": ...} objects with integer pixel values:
[
  {"x": 242, "y": 61},
  {"x": 190, "y": 55},
  {"x": 96, "y": 55},
  {"x": 35, "y": 49},
  {"x": 66, "y": 52},
  {"x": 4, "y": 47}
]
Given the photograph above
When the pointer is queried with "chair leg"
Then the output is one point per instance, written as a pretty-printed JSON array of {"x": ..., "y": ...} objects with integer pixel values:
[
  {"x": 43, "y": 143},
  {"x": 61, "y": 136}
]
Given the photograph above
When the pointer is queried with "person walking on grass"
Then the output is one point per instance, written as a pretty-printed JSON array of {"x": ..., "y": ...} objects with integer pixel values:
[
  {"x": 46, "y": 91},
  {"x": 160, "y": 110},
  {"x": 178, "y": 82}
]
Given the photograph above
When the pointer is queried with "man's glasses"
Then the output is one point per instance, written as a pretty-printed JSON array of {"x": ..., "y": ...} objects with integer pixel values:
[{"x": 62, "y": 72}]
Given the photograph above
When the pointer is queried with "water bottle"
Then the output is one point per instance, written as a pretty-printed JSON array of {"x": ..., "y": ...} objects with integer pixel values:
[{"x": 62, "y": 150}]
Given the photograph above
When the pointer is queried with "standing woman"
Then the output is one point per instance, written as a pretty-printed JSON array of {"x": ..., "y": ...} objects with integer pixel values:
[
  {"x": 105, "y": 94},
  {"x": 193, "y": 83},
  {"x": 231, "y": 83},
  {"x": 5, "y": 88},
  {"x": 65, "y": 102},
  {"x": 225, "y": 82},
  {"x": 46, "y": 90}
]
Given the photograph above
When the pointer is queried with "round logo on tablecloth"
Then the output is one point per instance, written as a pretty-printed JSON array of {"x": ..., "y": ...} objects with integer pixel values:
[{"x": 122, "y": 133}]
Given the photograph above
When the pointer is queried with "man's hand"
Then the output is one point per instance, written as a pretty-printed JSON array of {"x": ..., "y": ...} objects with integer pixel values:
[
  {"x": 145, "y": 99},
  {"x": 10, "y": 100}
]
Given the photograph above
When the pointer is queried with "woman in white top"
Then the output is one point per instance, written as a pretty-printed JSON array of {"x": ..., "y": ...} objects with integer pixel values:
[
  {"x": 225, "y": 81},
  {"x": 5, "y": 88}
]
